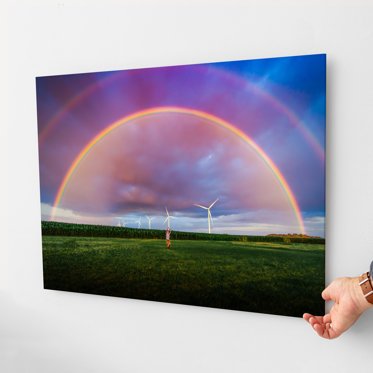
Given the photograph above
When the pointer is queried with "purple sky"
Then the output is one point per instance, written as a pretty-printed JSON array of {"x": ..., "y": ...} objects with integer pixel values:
[{"x": 175, "y": 159}]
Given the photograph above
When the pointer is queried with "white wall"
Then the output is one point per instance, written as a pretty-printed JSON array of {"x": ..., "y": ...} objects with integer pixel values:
[{"x": 50, "y": 331}]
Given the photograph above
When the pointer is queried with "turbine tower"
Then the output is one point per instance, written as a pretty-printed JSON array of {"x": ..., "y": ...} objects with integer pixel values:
[
  {"x": 121, "y": 223},
  {"x": 149, "y": 219},
  {"x": 139, "y": 223},
  {"x": 168, "y": 218},
  {"x": 209, "y": 217}
]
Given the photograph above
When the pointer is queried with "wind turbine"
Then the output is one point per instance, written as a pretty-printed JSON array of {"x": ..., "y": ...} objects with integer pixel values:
[
  {"x": 209, "y": 217},
  {"x": 168, "y": 218},
  {"x": 149, "y": 219},
  {"x": 119, "y": 224},
  {"x": 139, "y": 223}
]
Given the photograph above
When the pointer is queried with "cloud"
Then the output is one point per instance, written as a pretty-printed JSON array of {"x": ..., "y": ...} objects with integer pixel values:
[
  {"x": 248, "y": 223},
  {"x": 176, "y": 160},
  {"x": 228, "y": 94},
  {"x": 172, "y": 160},
  {"x": 71, "y": 216},
  {"x": 315, "y": 226}
]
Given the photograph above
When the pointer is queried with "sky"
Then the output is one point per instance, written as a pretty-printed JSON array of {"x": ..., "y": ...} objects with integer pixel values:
[{"x": 248, "y": 133}]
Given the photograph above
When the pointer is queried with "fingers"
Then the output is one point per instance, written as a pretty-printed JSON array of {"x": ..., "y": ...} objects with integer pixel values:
[
  {"x": 317, "y": 324},
  {"x": 311, "y": 319},
  {"x": 334, "y": 333},
  {"x": 321, "y": 329},
  {"x": 327, "y": 332},
  {"x": 327, "y": 319},
  {"x": 307, "y": 316},
  {"x": 322, "y": 325},
  {"x": 316, "y": 319}
]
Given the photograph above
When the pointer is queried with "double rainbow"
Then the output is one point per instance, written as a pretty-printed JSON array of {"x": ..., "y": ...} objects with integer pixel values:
[
  {"x": 243, "y": 83},
  {"x": 212, "y": 119}
]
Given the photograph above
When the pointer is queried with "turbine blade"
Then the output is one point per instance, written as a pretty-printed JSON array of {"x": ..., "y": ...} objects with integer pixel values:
[
  {"x": 214, "y": 202},
  {"x": 200, "y": 206},
  {"x": 167, "y": 211},
  {"x": 165, "y": 220}
]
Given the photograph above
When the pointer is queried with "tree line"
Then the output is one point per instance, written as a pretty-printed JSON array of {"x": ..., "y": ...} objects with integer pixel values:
[{"x": 87, "y": 230}]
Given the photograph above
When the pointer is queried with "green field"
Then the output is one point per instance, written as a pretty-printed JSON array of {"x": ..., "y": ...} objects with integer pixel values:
[
  {"x": 51, "y": 228},
  {"x": 270, "y": 277}
]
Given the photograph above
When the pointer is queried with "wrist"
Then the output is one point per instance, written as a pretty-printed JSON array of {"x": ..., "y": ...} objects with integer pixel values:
[{"x": 360, "y": 299}]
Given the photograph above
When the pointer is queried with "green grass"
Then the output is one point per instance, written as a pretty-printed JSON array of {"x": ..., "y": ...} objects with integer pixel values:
[{"x": 275, "y": 278}]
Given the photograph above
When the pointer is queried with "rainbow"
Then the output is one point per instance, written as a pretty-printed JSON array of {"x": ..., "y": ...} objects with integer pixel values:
[
  {"x": 71, "y": 103},
  {"x": 156, "y": 110},
  {"x": 90, "y": 89},
  {"x": 281, "y": 107}
]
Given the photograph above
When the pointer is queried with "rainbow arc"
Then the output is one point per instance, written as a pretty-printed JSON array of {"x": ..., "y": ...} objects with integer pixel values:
[{"x": 211, "y": 119}]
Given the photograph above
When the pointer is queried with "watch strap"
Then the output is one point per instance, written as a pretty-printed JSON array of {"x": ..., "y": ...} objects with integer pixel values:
[{"x": 366, "y": 286}]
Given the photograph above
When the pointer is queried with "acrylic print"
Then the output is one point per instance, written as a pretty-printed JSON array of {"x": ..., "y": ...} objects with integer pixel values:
[{"x": 199, "y": 184}]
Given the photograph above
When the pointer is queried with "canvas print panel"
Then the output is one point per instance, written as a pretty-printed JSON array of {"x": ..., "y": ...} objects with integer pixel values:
[{"x": 199, "y": 184}]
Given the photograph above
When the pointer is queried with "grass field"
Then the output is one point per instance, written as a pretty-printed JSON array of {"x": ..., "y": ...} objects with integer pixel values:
[{"x": 268, "y": 277}]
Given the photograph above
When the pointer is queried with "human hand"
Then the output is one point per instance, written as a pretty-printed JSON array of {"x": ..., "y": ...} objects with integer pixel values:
[{"x": 349, "y": 304}]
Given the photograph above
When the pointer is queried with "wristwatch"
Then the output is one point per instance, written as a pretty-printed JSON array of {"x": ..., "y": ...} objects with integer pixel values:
[{"x": 366, "y": 284}]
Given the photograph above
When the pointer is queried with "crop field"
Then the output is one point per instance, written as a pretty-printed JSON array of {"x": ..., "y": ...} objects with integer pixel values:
[
  {"x": 269, "y": 277},
  {"x": 88, "y": 230}
]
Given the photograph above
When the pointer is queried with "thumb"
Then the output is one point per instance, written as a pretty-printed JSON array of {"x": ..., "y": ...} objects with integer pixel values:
[
  {"x": 327, "y": 294},
  {"x": 332, "y": 291}
]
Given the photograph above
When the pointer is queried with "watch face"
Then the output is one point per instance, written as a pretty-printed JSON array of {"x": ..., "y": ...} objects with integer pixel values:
[{"x": 371, "y": 270}]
